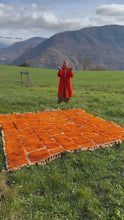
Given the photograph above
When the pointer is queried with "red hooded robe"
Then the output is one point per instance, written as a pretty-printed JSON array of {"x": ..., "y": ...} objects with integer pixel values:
[{"x": 65, "y": 80}]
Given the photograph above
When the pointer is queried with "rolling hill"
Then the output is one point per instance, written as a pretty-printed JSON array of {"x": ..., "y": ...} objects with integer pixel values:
[{"x": 7, "y": 55}]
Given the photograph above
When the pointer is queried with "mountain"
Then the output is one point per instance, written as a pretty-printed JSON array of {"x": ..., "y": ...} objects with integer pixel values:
[
  {"x": 7, "y": 55},
  {"x": 104, "y": 45},
  {"x": 3, "y": 45}
]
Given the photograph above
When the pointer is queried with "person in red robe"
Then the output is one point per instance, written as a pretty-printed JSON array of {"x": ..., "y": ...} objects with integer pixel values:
[{"x": 65, "y": 88}]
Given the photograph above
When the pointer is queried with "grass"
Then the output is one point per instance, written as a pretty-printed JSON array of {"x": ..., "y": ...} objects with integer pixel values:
[{"x": 84, "y": 185}]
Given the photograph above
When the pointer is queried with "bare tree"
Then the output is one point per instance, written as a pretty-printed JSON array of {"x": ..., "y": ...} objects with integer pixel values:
[{"x": 85, "y": 62}]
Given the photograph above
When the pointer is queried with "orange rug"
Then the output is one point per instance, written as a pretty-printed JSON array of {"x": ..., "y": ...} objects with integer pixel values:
[{"x": 41, "y": 137}]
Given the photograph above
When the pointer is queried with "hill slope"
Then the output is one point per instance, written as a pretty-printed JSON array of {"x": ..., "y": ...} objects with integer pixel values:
[
  {"x": 105, "y": 45},
  {"x": 7, "y": 55}
]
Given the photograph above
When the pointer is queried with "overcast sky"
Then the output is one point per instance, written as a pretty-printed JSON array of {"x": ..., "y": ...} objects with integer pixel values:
[{"x": 23, "y": 19}]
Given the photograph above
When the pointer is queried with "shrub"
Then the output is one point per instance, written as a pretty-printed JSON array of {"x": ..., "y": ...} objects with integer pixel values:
[{"x": 99, "y": 68}]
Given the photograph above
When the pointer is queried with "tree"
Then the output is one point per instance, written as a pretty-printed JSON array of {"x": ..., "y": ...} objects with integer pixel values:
[{"x": 85, "y": 62}]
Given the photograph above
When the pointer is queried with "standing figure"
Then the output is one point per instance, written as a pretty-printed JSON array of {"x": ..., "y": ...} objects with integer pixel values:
[{"x": 65, "y": 88}]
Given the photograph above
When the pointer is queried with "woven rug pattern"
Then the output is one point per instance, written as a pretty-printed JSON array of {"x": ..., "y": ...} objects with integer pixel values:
[{"x": 41, "y": 137}]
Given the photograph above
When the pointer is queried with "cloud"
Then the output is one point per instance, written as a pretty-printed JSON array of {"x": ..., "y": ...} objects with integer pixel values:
[
  {"x": 111, "y": 10},
  {"x": 36, "y": 18},
  {"x": 110, "y": 14},
  {"x": 9, "y": 40},
  {"x": 46, "y": 20}
]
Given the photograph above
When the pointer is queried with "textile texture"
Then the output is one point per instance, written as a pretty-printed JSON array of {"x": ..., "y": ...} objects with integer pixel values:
[{"x": 41, "y": 137}]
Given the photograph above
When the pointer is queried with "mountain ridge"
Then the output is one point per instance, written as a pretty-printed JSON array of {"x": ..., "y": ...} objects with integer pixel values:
[
  {"x": 10, "y": 53},
  {"x": 103, "y": 44}
]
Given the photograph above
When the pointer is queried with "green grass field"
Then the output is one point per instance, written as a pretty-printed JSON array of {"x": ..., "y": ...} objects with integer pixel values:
[{"x": 84, "y": 185}]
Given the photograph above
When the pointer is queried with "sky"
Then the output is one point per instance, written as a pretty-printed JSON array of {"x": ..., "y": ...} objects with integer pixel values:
[{"x": 24, "y": 19}]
